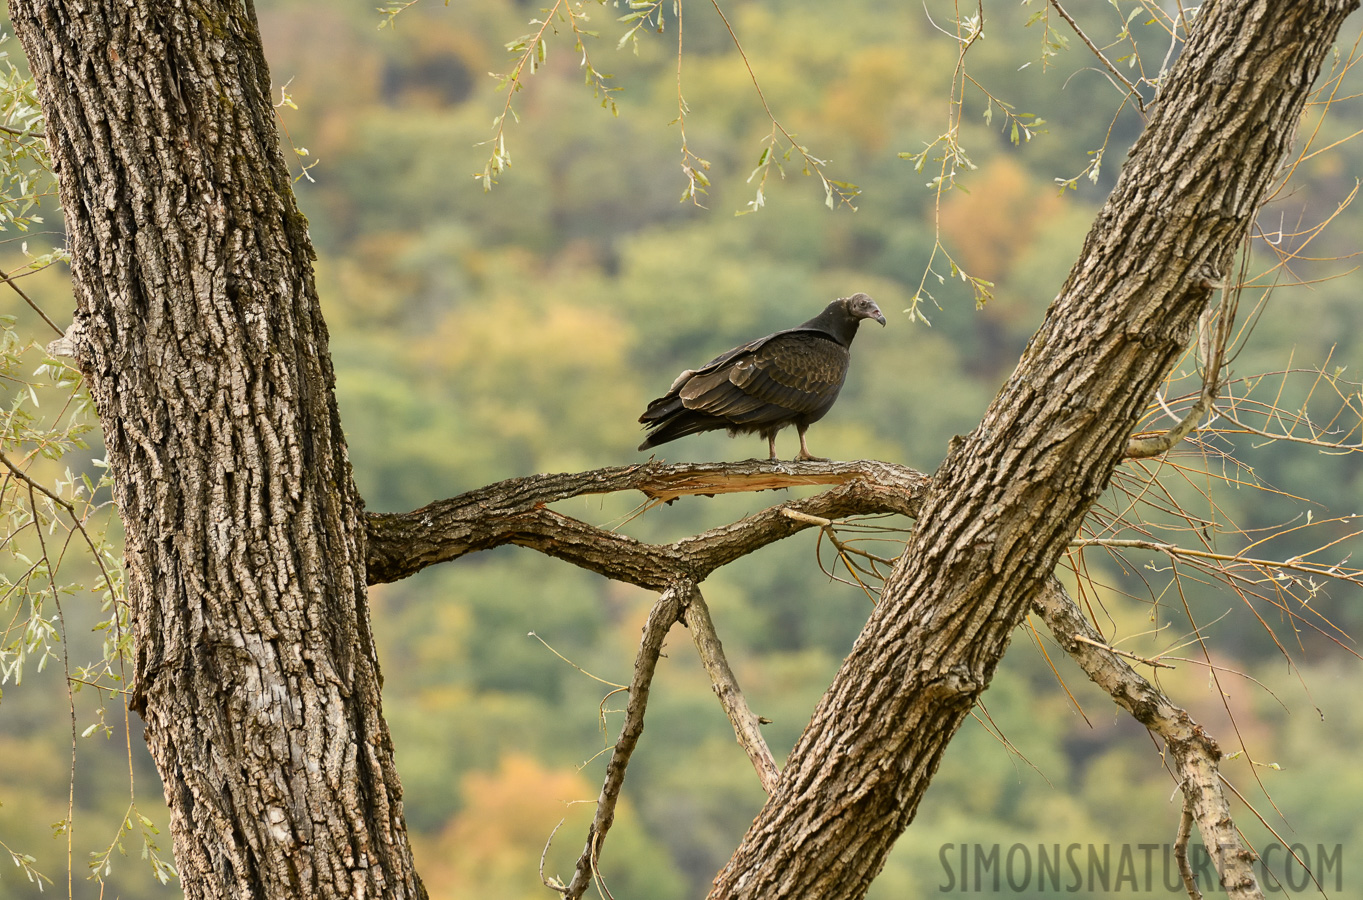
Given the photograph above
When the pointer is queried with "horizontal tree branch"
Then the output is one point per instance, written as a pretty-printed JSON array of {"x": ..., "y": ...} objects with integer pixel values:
[{"x": 516, "y": 512}]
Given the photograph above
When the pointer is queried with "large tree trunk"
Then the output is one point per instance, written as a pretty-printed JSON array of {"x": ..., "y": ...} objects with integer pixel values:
[
  {"x": 1006, "y": 501},
  {"x": 197, "y": 327}
]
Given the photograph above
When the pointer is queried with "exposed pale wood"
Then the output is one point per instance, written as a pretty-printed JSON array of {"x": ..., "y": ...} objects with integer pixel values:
[
  {"x": 515, "y": 512},
  {"x": 667, "y": 490}
]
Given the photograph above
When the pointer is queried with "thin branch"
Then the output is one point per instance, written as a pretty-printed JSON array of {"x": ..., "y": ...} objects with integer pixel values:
[
  {"x": 21, "y": 133},
  {"x": 1185, "y": 830},
  {"x": 813, "y": 165},
  {"x": 1140, "y": 103},
  {"x": 77, "y": 522},
  {"x": 1295, "y": 564},
  {"x": 746, "y": 725},
  {"x": 1125, "y": 654},
  {"x": 533, "y": 56},
  {"x": 4, "y": 276},
  {"x": 696, "y": 180},
  {"x": 544, "y": 854},
  {"x": 69, "y": 825},
  {"x": 1194, "y": 754},
  {"x": 669, "y": 609},
  {"x": 1213, "y": 357}
]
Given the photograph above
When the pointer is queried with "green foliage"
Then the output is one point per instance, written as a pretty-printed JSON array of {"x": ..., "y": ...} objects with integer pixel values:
[
  {"x": 25, "y": 167},
  {"x": 582, "y": 241},
  {"x": 65, "y": 628},
  {"x": 64, "y": 642},
  {"x": 479, "y": 338}
]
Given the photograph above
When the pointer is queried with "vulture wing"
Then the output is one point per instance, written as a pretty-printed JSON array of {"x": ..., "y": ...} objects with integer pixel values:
[
  {"x": 795, "y": 375},
  {"x": 791, "y": 377},
  {"x": 788, "y": 377}
]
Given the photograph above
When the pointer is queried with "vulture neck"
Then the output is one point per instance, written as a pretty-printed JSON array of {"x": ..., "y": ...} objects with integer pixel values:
[{"x": 835, "y": 322}]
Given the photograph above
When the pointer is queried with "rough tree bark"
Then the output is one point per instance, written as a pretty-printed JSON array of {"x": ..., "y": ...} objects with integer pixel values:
[
  {"x": 198, "y": 330},
  {"x": 1008, "y": 498}
]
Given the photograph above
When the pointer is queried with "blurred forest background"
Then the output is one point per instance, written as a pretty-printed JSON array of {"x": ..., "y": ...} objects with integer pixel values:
[{"x": 480, "y": 336}]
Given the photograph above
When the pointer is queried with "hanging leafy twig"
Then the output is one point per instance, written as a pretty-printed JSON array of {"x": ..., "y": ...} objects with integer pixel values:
[
  {"x": 285, "y": 99},
  {"x": 951, "y": 160},
  {"x": 693, "y": 166},
  {"x": 532, "y": 51},
  {"x": 1093, "y": 48},
  {"x": 836, "y": 193}
]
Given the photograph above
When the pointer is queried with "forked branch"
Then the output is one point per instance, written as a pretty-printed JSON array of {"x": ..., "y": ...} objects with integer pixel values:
[{"x": 516, "y": 512}]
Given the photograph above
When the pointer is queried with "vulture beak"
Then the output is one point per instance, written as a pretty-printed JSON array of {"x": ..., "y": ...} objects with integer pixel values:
[{"x": 880, "y": 317}]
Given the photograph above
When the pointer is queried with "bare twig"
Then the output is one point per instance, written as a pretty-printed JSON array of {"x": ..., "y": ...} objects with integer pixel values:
[
  {"x": 746, "y": 725},
  {"x": 1215, "y": 335},
  {"x": 4, "y": 276},
  {"x": 1093, "y": 48},
  {"x": 1125, "y": 654},
  {"x": 1225, "y": 560},
  {"x": 544, "y": 854},
  {"x": 1185, "y": 830},
  {"x": 669, "y": 609},
  {"x": 20, "y": 133},
  {"x": 69, "y": 825}
]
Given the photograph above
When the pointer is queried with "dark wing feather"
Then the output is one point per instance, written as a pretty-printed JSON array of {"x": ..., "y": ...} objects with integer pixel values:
[
  {"x": 788, "y": 377},
  {"x": 795, "y": 376}
]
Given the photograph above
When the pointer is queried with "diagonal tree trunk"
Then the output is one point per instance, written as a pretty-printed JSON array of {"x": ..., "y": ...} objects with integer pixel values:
[
  {"x": 1009, "y": 497},
  {"x": 197, "y": 327}
]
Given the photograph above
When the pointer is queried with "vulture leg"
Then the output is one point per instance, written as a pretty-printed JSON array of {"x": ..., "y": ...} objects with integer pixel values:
[
  {"x": 804, "y": 448},
  {"x": 771, "y": 445}
]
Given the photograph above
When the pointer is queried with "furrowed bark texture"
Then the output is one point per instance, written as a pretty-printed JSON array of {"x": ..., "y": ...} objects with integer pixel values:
[
  {"x": 198, "y": 328},
  {"x": 1005, "y": 502}
]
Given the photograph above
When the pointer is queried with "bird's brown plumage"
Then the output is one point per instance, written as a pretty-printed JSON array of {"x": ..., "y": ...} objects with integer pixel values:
[{"x": 791, "y": 377}]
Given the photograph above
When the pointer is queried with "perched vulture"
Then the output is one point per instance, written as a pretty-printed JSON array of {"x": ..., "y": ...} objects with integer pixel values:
[{"x": 791, "y": 377}]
